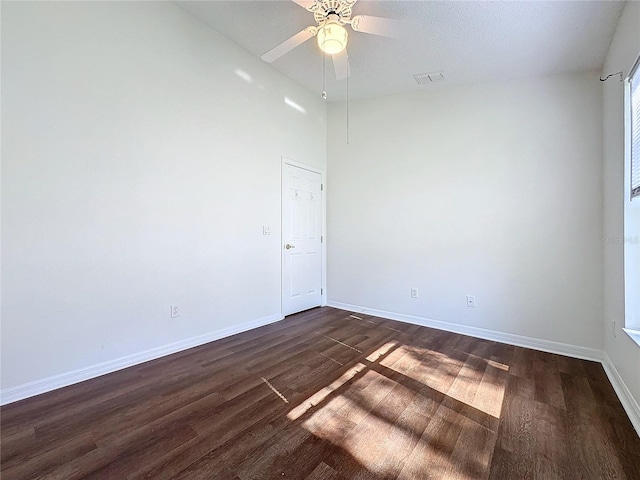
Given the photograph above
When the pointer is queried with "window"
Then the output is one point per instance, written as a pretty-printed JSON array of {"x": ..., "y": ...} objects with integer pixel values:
[
  {"x": 632, "y": 204},
  {"x": 634, "y": 121}
]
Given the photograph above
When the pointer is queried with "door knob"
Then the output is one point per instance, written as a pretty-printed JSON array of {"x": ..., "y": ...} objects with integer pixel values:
[{"x": 288, "y": 246}]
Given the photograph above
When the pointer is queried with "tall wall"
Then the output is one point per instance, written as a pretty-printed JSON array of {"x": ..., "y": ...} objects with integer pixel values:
[
  {"x": 141, "y": 157},
  {"x": 492, "y": 190}
]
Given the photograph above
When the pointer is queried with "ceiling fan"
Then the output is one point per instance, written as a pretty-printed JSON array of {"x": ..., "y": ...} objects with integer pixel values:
[{"x": 331, "y": 16}]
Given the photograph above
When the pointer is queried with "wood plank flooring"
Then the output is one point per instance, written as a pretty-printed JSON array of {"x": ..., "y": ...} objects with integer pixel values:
[{"x": 329, "y": 395}]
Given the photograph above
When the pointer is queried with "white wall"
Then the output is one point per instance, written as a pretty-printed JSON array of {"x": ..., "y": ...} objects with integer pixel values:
[
  {"x": 492, "y": 190},
  {"x": 624, "y": 49},
  {"x": 138, "y": 168}
]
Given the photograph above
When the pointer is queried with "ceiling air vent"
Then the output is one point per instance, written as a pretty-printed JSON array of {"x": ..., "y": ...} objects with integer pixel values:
[{"x": 427, "y": 78}]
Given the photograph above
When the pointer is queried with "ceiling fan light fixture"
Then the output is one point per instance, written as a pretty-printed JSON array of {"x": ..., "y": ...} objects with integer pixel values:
[{"x": 332, "y": 38}]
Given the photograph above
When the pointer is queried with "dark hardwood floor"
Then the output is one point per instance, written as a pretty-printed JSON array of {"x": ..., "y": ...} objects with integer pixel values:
[{"x": 326, "y": 395}]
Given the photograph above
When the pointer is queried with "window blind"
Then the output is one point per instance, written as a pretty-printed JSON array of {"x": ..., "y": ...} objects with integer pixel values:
[{"x": 634, "y": 80}]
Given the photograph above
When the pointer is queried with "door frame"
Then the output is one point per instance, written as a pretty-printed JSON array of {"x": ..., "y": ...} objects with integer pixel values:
[{"x": 323, "y": 250}]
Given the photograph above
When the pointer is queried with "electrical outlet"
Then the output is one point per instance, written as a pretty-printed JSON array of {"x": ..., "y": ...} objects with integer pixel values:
[
  {"x": 613, "y": 325},
  {"x": 471, "y": 301},
  {"x": 414, "y": 293},
  {"x": 175, "y": 311},
  {"x": 266, "y": 230}
]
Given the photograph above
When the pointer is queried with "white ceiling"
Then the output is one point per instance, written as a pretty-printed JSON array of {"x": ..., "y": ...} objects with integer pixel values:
[{"x": 470, "y": 41}]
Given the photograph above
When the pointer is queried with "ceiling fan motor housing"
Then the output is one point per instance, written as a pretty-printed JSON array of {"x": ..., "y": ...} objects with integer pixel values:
[{"x": 322, "y": 9}]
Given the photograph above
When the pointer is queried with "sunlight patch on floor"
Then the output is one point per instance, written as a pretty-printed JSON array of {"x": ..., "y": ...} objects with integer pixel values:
[
  {"x": 322, "y": 394},
  {"x": 478, "y": 382},
  {"x": 366, "y": 441},
  {"x": 399, "y": 405}
]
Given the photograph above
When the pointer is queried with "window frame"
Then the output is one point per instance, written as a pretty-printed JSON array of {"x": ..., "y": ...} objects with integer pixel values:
[{"x": 631, "y": 243}]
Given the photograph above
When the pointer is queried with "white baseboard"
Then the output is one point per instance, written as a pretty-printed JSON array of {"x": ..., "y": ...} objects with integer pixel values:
[
  {"x": 510, "y": 338},
  {"x": 20, "y": 392},
  {"x": 626, "y": 399}
]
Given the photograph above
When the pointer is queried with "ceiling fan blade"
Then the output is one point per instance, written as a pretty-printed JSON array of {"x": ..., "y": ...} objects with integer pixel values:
[
  {"x": 341, "y": 65},
  {"x": 305, "y": 3},
  {"x": 288, "y": 45},
  {"x": 383, "y": 26}
]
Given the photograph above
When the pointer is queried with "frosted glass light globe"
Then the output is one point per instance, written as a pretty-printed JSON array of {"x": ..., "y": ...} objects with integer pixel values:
[{"x": 332, "y": 38}]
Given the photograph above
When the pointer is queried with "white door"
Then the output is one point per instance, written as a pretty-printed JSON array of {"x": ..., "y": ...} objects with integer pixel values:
[{"x": 301, "y": 239}]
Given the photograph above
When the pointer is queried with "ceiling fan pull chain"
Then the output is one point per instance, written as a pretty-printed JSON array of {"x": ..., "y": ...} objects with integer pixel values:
[
  {"x": 347, "y": 107},
  {"x": 324, "y": 76}
]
